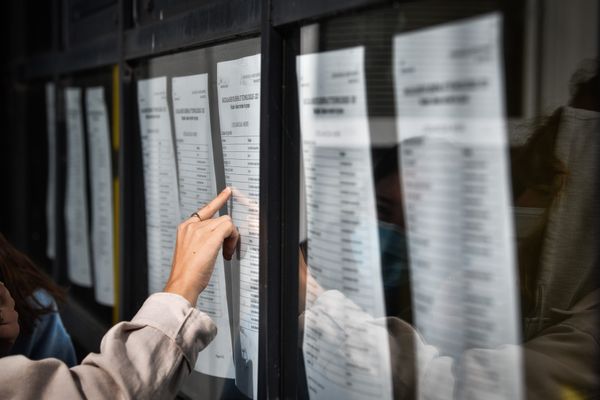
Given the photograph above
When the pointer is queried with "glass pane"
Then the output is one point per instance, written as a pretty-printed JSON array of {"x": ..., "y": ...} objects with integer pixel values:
[
  {"x": 448, "y": 189},
  {"x": 199, "y": 129},
  {"x": 85, "y": 110}
]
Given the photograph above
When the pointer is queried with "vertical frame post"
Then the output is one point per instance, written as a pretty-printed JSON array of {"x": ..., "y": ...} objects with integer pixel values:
[
  {"x": 270, "y": 217},
  {"x": 279, "y": 191}
]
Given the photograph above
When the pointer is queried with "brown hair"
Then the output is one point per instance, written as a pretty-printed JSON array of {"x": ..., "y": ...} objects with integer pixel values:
[
  {"x": 22, "y": 278},
  {"x": 535, "y": 166}
]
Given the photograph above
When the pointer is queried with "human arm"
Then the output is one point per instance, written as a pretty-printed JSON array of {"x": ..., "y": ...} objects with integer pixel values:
[{"x": 149, "y": 356}]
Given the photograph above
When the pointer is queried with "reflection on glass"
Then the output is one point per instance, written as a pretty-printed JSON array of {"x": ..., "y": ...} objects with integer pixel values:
[
  {"x": 345, "y": 355},
  {"x": 556, "y": 211},
  {"x": 454, "y": 175},
  {"x": 485, "y": 298}
]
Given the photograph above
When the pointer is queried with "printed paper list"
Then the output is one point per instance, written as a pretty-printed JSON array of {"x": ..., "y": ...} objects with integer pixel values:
[
  {"x": 351, "y": 361},
  {"x": 454, "y": 171},
  {"x": 239, "y": 116},
  {"x": 99, "y": 150},
  {"x": 160, "y": 179},
  {"x": 51, "y": 189},
  {"x": 197, "y": 187},
  {"x": 76, "y": 212}
]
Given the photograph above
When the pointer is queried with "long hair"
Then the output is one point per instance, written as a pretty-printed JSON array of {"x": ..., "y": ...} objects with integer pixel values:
[
  {"x": 22, "y": 278},
  {"x": 536, "y": 166}
]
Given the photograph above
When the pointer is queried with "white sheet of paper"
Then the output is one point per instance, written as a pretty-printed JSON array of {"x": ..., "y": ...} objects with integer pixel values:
[
  {"x": 160, "y": 179},
  {"x": 239, "y": 117},
  {"x": 452, "y": 129},
  {"x": 76, "y": 211},
  {"x": 197, "y": 187},
  {"x": 99, "y": 150},
  {"x": 343, "y": 242},
  {"x": 51, "y": 188}
]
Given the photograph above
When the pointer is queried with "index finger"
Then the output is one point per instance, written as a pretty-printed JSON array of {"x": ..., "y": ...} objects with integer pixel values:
[{"x": 215, "y": 205}]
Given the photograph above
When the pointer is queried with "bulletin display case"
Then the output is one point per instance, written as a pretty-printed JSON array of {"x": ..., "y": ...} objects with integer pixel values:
[{"x": 414, "y": 182}]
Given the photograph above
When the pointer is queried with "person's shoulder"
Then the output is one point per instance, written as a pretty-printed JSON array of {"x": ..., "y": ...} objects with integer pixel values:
[
  {"x": 43, "y": 299},
  {"x": 49, "y": 337}
]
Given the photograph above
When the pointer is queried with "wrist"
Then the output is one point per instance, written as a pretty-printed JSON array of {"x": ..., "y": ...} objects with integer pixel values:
[{"x": 180, "y": 288}]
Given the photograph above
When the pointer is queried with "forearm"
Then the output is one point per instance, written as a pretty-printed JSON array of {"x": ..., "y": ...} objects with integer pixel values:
[{"x": 145, "y": 358}]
